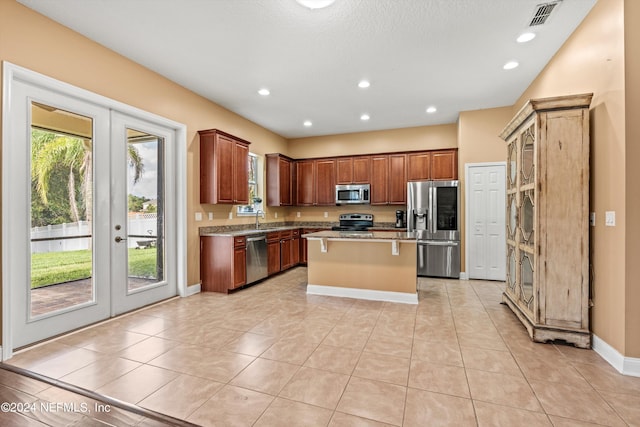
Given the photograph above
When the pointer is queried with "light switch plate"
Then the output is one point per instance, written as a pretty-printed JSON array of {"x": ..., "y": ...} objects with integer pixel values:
[
  {"x": 230, "y": 215},
  {"x": 298, "y": 214},
  {"x": 210, "y": 216},
  {"x": 198, "y": 216},
  {"x": 326, "y": 214},
  {"x": 592, "y": 219},
  {"x": 275, "y": 214},
  {"x": 610, "y": 218}
]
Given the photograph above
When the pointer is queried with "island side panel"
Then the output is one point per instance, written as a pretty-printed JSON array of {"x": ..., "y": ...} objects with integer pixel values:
[{"x": 362, "y": 264}]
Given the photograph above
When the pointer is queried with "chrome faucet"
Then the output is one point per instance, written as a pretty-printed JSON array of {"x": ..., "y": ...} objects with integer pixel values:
[{"x": 259, "y": 212}]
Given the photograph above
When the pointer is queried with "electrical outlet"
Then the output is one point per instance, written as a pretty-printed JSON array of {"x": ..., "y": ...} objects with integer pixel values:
[
  {"x": 230, "y": 215},
  {"x": 198, "y": 216},
  {"x": 326, "y": 214},
  {"x": 210, "y": 216},
  {"x": 298, "y": 214},
  {"x": 610, "y": 218},
  {"x": 275, "y": 214},
  {"x": 592, "y": 219}
]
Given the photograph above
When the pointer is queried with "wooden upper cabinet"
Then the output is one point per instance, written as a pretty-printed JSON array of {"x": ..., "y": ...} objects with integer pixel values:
[
  {"x": 353, "y": 170},
  {"x": 223, "y": 168},
  {"x": 418, "y": 166},
  {"x": 397, "y": 179},
  {"x": 379, "y": 180},
  {"x": 344, "y": 170},
  {"x": 325, "y": 182},
  {"x": 444, "y": 164},
  {"x": 279, "y": 180},
  {"x": 305, "y": 183}
]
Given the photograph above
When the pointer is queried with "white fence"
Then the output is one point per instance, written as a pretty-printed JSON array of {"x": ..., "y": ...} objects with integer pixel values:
[{"x": 69, "y": 237}]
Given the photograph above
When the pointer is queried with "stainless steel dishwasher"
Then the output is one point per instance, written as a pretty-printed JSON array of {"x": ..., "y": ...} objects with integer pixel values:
[{"x": 256, "y": 258}]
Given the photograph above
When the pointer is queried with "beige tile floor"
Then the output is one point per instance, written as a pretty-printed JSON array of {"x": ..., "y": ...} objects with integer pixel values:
[{"x": 270, "y": 355}]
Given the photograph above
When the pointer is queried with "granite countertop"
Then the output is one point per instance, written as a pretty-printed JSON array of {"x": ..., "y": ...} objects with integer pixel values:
[
  {"x": 362, "y": 235},
  {"x": 268, "y": 227}
]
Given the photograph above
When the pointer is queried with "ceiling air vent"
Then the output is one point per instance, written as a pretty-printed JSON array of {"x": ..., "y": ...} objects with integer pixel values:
[{"x": 542, "y": 13}]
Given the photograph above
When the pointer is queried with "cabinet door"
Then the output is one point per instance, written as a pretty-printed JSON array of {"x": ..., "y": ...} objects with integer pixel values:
[
  {"x": 295, "y": 251},
  {"x": 284, "y": 174},
  {"x": 239, "y": 266},
  {"x": 444, "y": 164},
  {"x": 285, "y": 253},
  {"x": 418, "y": 166},
  {"x": 397, "y": 179},
  {"x": 224, "y": 165},
  {"x": 361, "y": 170},
  {"x": 305, "y": 192},
  {"x": 240, "y": 174},
  {"x": 379, "y": 180},
  {"x": 325, "y": 182},
  {"x": 344, "y": 170},
  {"x": 273, "y": 256}
]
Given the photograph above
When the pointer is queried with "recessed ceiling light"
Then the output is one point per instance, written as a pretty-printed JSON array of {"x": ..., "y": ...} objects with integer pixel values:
[
  {"x": 510, "y": 65},
  {"x": 364, "y": 117},
  {"x": 431, "y": 109},
  {"x": 525, "y": 37},
  {"x": 264, "y": 92},
  {"x": 315, "y": 4},
  {"x": 307, "y": 123},
  {"x": 364, "y": 84}
]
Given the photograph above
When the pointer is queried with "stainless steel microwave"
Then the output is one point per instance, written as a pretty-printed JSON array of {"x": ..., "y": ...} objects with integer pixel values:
[{"x": 353, "y": 194}]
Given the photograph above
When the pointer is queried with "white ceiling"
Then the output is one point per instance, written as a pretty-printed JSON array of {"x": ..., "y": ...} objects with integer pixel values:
[{"x": 415, "y": 53}]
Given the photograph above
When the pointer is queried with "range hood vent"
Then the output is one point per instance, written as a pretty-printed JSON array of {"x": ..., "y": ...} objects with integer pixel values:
[{"x": 542, "y": 13}]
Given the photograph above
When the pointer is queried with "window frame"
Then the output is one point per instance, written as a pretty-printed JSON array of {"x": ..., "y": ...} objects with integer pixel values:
[{"x": 252, "y": 208}]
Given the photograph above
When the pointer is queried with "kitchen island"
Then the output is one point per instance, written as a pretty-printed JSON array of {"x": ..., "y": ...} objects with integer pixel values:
[{"x": 377, "y": 265}]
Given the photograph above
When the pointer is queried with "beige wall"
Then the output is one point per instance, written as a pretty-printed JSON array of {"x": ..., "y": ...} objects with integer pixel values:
[
  {"x": 592, "y": 60},
  {"x": 35, "y": 42},
  {"x": 632, "y": 188},
  {"x": 383, "y": 141}
]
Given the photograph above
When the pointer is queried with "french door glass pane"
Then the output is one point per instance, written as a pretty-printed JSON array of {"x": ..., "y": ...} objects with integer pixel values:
[
  {"x": 61, "y": 209},
  {"x": 145, "y": 190}
]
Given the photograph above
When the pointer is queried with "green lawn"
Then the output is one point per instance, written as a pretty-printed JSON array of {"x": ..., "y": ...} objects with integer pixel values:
[{"x": 57, "y": 267}]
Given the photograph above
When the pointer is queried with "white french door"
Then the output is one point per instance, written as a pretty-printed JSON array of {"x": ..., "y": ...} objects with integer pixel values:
[
  {"x": 141, "y": 241},
  {"x": 89, "y": 210},
  {"x": 485, "y": 230}
]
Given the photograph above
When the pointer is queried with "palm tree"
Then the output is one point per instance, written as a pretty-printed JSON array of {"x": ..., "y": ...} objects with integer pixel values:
[{"x": 50, "y": 151}]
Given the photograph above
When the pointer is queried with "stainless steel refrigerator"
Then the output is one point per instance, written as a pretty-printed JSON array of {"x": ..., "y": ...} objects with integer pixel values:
[{"x": 433, "y": 213}]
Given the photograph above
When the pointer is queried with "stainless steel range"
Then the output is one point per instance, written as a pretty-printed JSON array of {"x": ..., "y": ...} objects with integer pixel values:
[{"x": 354, "y": 222}]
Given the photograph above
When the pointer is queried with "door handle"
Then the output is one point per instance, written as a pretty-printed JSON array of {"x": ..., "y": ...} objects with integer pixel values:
[{"x": 119, "y": 239}]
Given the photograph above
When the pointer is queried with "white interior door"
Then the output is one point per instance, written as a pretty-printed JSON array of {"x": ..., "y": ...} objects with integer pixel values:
[
  {"x": 142, "y": 207},
  {"x": 486, "y": 238},
  {"x": 54, "y": 194}
]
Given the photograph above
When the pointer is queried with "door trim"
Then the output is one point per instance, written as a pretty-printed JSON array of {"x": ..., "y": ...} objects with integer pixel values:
[
  {"x": 467, "y": 240},
  {"x": 13, "y": 73}
]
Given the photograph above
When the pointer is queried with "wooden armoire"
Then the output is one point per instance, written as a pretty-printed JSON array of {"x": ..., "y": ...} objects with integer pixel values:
[{"x": 547, "y": 215}]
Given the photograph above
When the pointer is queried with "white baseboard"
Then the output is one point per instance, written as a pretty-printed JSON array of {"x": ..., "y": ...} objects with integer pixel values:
[
  {"x": 192, "y": 290},
  {"x": 625, "y": 365},
  {"x": 368, "y": 294}
]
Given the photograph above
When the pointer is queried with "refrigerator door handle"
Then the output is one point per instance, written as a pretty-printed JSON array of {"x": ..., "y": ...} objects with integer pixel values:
[
  {"x": 432, "y": 195},
  {"x": 439, "y": 242}
]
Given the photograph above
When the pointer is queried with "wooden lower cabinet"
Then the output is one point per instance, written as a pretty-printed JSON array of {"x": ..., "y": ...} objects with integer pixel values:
[
  {"x": 273, "y": 253},
  {"x": 285, "y": 250},
  {"x": 295, "y": 247},
  {"x": 222, "y": 263}
]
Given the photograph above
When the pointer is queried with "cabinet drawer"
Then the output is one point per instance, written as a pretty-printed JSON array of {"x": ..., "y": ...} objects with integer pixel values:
[
  {"x": 239, "y": 241},
  {"x": 274, "y": 236},
  {"x": 295, "y": 233},
  {"x": 286, "y": 234}
]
